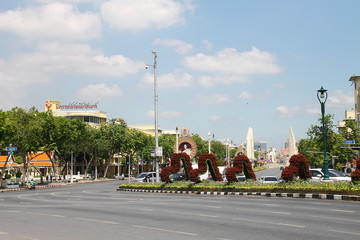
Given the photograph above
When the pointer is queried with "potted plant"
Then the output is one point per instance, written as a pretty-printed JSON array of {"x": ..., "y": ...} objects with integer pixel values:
[
  {"x": 18, "y": 175},
  {"x": 7, "y": 178}
]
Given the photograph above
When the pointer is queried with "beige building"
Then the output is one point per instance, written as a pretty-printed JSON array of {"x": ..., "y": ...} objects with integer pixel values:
[
  {"x": 349, "y": 115},
  {"x": 356, "y": 81},
  {"x": 84, "y": 111}
]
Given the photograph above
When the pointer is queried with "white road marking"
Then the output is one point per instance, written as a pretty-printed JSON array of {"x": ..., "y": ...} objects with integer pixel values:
[
  {"x": 272, "y": 223},
  {"x": 333, "y": 218},
  {"x": 3, "y": 233},
  {"x": 44, "y": 214},
  {"x": 146, "y": 209},
  {"x": 262, "y": 211},
  {"x": 193, "y": 214},
  {"x": 165, "y": 230},
  {"x": 270, "y": 205},
  {"x": 213, "y": 206},
  {"x": 332, "y": 210},
  {"x": 95, "y": 220},
  {"x": 351, "y": 233}
]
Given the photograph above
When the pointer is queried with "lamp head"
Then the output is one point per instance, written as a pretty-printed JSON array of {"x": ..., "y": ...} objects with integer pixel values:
[{"x": 322, "y": 95}]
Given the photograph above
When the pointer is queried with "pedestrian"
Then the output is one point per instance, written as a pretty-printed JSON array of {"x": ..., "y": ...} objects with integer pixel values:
[{"x": 50, "y": 178}]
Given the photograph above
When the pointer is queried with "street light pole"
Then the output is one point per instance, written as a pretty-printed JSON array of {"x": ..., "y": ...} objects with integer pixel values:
[
  {"x": 156, "y": 117},
  {"x": 177, "y": 140},
  {"x": 322, "y": 97}
]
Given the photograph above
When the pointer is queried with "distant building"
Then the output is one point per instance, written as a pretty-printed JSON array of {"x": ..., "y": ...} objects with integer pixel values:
[
  {"x": 148, "y": 129},
  {"x": 260, "y": 146},
  {"x": 83, "y": 111},
  {"x": 349, "y": 115},
  {"x": 356, "y": 81}
]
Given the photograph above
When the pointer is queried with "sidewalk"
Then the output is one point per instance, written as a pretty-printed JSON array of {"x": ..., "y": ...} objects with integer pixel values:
[{"x": 58, "y": 184}]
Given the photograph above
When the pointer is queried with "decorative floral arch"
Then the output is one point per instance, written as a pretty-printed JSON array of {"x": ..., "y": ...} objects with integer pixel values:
[
  {"x": 206, "y": 160},
  {"x": 241, "y": 164},
  {"x": 176, "y": 160}
]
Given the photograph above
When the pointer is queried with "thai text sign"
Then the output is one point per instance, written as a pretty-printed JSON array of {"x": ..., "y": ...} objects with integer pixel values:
[{"x": 77, "y": 105}]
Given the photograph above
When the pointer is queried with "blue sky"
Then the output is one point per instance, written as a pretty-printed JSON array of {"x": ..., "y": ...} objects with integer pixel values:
[{"x": 223, "y": 66}]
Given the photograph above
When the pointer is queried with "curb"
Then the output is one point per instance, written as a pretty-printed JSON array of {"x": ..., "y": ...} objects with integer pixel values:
[
  {"x": 263, "y": 194},
  {"x": 56, "y": 185}
]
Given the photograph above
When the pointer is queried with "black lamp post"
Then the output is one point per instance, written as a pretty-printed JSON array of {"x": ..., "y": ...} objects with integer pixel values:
[{"x": 322, "y": 97}]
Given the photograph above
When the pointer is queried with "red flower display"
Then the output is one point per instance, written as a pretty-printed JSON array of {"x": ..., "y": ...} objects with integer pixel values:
[
  {"x": 241, "y": 164},
  {"x": 355, "y": 175},
  {"x": 176, "y": 160},
  {"x": 206, "y": 160},
  {"x": 299, "y": 166}
]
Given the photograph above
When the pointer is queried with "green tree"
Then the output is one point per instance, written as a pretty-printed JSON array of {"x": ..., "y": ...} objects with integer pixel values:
[
  {"x": 219, "y": 150},
  {"x": 23, "y": 130},
  {"x": 117, "y": 137},
  {"x": 167, "y": 142},
  {"x": 202, "y": 145},
  {"x": 312, "y": 147}
]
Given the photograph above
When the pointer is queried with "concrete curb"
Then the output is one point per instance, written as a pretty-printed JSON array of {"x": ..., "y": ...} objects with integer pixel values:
[
  {"x": 264, "y": 194},
  {"x": 57, "y": 185}
]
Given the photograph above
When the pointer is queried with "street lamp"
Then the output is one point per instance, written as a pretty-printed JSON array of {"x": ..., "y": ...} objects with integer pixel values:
[
  {"x": 322, "y": 97},
  {"x": 154, "y": 66}
]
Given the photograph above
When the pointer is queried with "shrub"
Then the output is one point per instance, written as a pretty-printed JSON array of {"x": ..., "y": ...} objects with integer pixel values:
[
  {"x": 299, "y": 167},
  {"x": 355, "y": 175}
]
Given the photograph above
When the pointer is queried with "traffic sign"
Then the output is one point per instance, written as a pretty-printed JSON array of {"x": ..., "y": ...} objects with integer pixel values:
[
  {"x": 11, "y": 149},
  {"x": 349, "y": 142}
]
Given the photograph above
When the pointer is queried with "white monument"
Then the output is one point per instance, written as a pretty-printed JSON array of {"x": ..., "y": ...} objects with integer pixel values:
[
  {"x": 250, "y": 144},
  {"x": 292, "y": 144}
]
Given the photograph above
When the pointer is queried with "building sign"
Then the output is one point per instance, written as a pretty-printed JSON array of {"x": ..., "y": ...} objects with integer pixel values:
[{"x": 77, "y": 106}]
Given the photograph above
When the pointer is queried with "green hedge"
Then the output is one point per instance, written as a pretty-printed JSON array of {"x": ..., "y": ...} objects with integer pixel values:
[{"x": 348, "y": 188}]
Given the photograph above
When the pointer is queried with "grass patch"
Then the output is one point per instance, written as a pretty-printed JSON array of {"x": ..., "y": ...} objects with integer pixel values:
[{"x": 347, "y": 188}]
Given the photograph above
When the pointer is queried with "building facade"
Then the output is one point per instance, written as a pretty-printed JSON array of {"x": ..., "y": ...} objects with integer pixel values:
[{"x": 83, "y": 111}]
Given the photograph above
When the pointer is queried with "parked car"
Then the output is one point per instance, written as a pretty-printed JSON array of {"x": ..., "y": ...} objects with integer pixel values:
[
  {"x": 240, "y": 177},
  {"x": 269, "y": 179},
  {"x": 317, "y": 174},
  {"x": 177, "y": 177},
  {"x": 145, "y": 177}
]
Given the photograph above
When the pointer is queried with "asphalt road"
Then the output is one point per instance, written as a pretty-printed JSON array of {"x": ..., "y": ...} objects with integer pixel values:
[
  {"x": 98, "y": 211},
  {"x": 273, "y": 171}
]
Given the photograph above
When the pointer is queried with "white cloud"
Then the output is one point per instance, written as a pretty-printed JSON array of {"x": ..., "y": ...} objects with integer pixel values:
[
  {"x": 55, "y": 21},
  {"x": 245, "y": 95},
  {"x": 165, "y": 114},
  {"x": 211, "y": 99},
  {"x": 181, "y": 47},
  {"x": 170, "y": 80},
  {"x": 99, "y": 91},
  {"x": 215, "y": 118},
  {"x": 150, "y": 114},
  {"x": 169, "y": 114},
  {"x": 230, "y": 61},
  {"x": 141, "y": 14},
  {"x": 210, "y": 81},
  {"x": 77, "y": 58},
  {"x": 22, "y": 70},
  {"x": 207, "y": 45},
  {"x": 286, "y": 112},
  {"x": 340, "y": 99}
]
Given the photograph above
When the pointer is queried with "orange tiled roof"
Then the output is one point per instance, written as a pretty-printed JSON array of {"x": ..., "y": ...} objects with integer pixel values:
[
  {"x": 40, "y": 159},
  {"x": 10, "y": 163}
]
